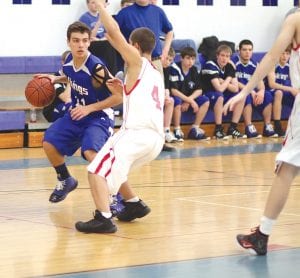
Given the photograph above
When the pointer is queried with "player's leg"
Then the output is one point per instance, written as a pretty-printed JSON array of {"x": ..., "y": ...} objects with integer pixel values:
[
  {"x": 196, "y": 132},
  {"x": 58, "y": 142},
  {"x": 277, "y": 107},
  {"x": 236, "y": 115},
  {"x": 177, "y": 118},
  {"x": 139, "y": 149},
  {"x": 102, "y": 221},
  {"x": 266, "y": 108},
  {"x": 250, "y": 129},
  {"x": 168, "y": 113},
  {"x": 218, "y": 112},
  {"x": 257, "y": 241}
]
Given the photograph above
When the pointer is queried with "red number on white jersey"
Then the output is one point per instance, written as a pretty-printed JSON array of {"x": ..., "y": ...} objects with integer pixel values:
[{"x": 156, "y": 98}]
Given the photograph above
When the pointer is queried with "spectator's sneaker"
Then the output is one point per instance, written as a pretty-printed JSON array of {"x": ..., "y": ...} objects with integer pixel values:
[
  {"x": 235, "y": 133},
  {"x": 256, "y": 242},
  {"x": 269, "y": 131},
  {"x": 197, "y": 133},
  {"x": 169, "y": 137},
  {"x": 220, "y": 134},
  {"x": 279, "y": 131},
  {"x": 179, "y": 135},
  {"x": 133, "y": 210},
  {"x": 99, "y": 224},
  {"x": 251, "y": 132},
  {"x": 62, "y": 189},
  {"x": 117, "y": 205}
]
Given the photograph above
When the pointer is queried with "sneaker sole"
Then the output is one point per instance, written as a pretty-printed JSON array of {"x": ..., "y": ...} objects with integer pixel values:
[
  {"x": 273, "y": 136},
  {"x": 256, "y": 137},
  {"x": 249, "y": 250},
  {"x": 110, "y": 231}
]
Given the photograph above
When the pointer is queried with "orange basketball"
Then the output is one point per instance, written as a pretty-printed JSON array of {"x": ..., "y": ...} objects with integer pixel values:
[{"x": 40, "y": 92}]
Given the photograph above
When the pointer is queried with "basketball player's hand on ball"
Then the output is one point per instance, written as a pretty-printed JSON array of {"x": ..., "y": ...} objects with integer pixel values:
[
  {"x": 79, "y": 112},
  {"x": 51, "y": 77}
]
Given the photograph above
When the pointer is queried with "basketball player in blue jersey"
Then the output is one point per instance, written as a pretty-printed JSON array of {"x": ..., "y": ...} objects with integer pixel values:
[
  {"x": 90, "y": 122},
  {"x": 279, "y": 84},
  {"x": 259, "y": 99},
  {"x": 141, "y": 136},
  {"x": 185, "y": 86},
  {"x": 219, "y": 85}
]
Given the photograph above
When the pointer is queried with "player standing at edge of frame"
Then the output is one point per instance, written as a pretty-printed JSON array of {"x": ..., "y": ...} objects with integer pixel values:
[{"x": 288, "y": 159}]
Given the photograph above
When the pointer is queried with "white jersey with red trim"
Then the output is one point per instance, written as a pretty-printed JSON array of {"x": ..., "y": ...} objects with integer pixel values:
[
  {"x": 290, "y": 152},
  {"x": 143, "y": 104},
  {"x": 141, "y": 137}
]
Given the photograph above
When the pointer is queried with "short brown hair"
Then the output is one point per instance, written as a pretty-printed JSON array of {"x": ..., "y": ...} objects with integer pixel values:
[
  {"x": 224, "y": 48},
  {"x": 78, "y": 27},
  {"x": 188, "y": 51},
  {"x": 145, "y": 38}
]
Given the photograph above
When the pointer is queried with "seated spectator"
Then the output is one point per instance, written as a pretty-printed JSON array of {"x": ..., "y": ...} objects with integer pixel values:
[
  {"x": 260, "y": 99},
  {"x": 169, "y": 100},
  {"x": 99, "y": 46},
  {"x": 187, "y": 92},
  {"x": 279, "y": 84},
  {"x": 219, "y": 85},
  {"x": 62, "y": 101}
]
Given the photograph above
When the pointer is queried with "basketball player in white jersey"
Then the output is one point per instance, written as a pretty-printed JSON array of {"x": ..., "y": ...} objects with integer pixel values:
[
  {"x": 141, "y": 136},
  {"x": 288, "y": 159}
]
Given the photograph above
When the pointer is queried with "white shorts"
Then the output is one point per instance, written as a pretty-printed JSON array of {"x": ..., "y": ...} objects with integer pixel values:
[
  {"x": 290, "y": 152},
  {"x": 125, "y": 150}
]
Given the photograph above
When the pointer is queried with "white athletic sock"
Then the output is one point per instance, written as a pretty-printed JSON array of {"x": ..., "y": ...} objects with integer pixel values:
[
  {"x": 133, "y": 200},
  {"x": 106, "y": 214},
  {"x": 177, "y": 127},
  {"x": 266, "y": 225}
]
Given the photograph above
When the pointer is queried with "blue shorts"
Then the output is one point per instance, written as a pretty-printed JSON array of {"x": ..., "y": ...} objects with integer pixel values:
[
  {"x": 200, "y": 100},
  {"x": 260, "y": 108},
  {"x": 213, "y": 97},
  {"x": 90, "y": 133},
  {"x": 287, "y": 98}
]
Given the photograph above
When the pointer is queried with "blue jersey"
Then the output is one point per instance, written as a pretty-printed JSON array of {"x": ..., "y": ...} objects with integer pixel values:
[
  {"x": 186, "y": 83},
  {"x": 282, "y": 74},
  {"x": 82, "y": 90},
  {"x": 90, "y": 21},
  {"x": 150, "y": 16},
  {"x": 245, "y": 71},
  {"x": 212, "y": 70}
]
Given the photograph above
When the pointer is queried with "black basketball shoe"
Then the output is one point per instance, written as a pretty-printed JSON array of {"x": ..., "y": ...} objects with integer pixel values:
[
  {"x": 256, "y": 241},
  {"x": 133, "y": 210},
  {"x": 99, "y": 224}
]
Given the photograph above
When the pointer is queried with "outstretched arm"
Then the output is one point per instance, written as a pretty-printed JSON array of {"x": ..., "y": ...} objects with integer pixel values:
[{"x": 115, "y": 37}]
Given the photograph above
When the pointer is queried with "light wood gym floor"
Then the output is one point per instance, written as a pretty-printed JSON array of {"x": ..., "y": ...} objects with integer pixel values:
[{"x": 201, "y": 196}]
